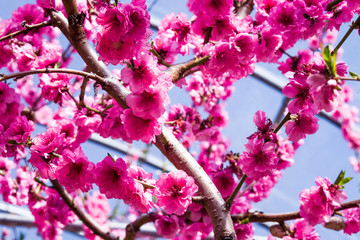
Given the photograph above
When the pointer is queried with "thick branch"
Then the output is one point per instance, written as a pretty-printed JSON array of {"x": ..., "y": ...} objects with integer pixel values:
[
  {"x": 280, "y": 217},
  {"x": 134, "y": 227},
  {"x": 243, "y": 8},
  {"x": 166, "y": 141},
  {"x": 84, "y": 217},
  {"x": 26, "y": 30}
]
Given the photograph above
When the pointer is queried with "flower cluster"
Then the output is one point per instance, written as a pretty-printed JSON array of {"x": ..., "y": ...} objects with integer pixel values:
[{"x": 318, "y": 203}]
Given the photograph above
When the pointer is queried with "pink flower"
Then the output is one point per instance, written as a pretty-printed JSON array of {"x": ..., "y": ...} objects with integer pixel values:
[
  {"x": 355, "y": 163},
  {"x": 98, "y": 207},
  {"x": 140, "y": 129},
  {"x": 244, "y": 231},
  {"x": 352, "y": 216},
  {"x": 20, "y": 130},
  {"x": 112, "y": 177},
  {"x": 142, "y": 75},
  {"x": 213, "y": 8},
  {"x": 167, "y": 226},
  {"x": 305, "y": 123},
  {"x": 259, "y": 158},
  {"x": 224, "y": 181},
  {"x": 148, "y": 104},
  {"x": 303, "y": 230},
  {"x": 174, "y": 192},
  {"x": 318, "y": 203},
  {"x": 299, "y": 89},
  {"x": 74, "y": 171},
  {"x": 48, "y": 141}
]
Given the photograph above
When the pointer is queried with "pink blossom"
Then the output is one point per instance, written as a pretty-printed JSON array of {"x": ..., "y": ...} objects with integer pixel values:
[
  {"x": 299, "y": 89},
  {"x": 52, "y": 84},
  {"x": 20, "y": 130},
  {"x": 259, "y": 158},
  {"x": 112, "y": 125},
  {"x": 148, "y": 104},
  {"x": 224, "y": 181},
  {"x": 98, "y": 207},
  {"x": 244, "y": 231},
  {"x": 112, "y": 177},
  {"x": 140, "y": 129},
  {"x": 355, "y": 163},
  {"x": 318, "y": 203},
  {"x": 352, "y": 216},
  {"x": 270, "y": 43},
  {"x": 213, "y": 8},
  {"x": 302, "y": 230},
  {"x": 262, "y": 187},
  {"x": 194, "y": 231},
  {"x": 48, "y": 141},
  {"x": 142, "y": 74},
  {"x": 167, "y": 226},
  {"x": 74, "y": 171},
  {"x": 174, "y": 192},
  {"x": 138, "y": 197},
  {"x": 44, "y": 163},
  {"x": 302, "y": 124},
  {"x": 10, "y": 105}
]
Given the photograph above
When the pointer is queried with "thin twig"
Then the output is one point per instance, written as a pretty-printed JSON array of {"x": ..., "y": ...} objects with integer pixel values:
[
  {"x": 50, "y": 70},
  {"x": 26, "y": 29},
  {"x": 84, "y": 217},
  {"x": 285, "y": 119},
  {"x": 280, "y": 217},
  {"x": 235, "y": 192},
  {"x": 347, "y": 34}
]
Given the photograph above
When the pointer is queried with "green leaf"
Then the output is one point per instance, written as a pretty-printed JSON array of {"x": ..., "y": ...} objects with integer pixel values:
[
  {"x": 245, "y": 221},
  {"x": 341, "y": 180},
  {"x": 354, "y": 75},
  {"x": 340, "y": 177},
  {"x": 345, "y": 180},
  {"x": 330, "y": 60}
]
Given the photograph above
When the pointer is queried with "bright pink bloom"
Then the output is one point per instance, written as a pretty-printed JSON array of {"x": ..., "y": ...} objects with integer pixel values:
[
  {"x": 244, "y": 231},
  {"x": 140, "y": 129},
  {"x": 259, "y": 158},
  {"x": 299, "y": 89},
  {"x": 10, "y": 106},
  {"x": 318, "y": 203},
  {"x": 352, "y": 216},
  {"x": 262, "y": 188},
  {"x": 138, "y": 197},
  {"x": 74, "y": 171},
  {"x": 20, "y": 130},
  {"x": 148, "y": 104},
  {"x": 213, "y": 8},
  {"x": 142, "y": 75},
  {"x": 174, "y": 192},
  {"x": 98, "y": 207},
  {"x": 112, "y": 177},
  {"x": 194, "y": 231},
  {"x": 167, "y": 226},
  {"x": 52, "y": 84},
  {"x": 305, "y": 123},
  {"x": 302, "y": 230},
  {"x": 224, "y": 181},
  {"x": 48, "y": 141}
]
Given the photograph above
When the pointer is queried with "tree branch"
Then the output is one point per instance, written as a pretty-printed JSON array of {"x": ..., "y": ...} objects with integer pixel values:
[
  {"x": 166, "y": 141},
  {"x": 84, "y": 217},
  {"x": 243, "y": 8},
  {"x": 134, "y": 227},
  {"x": 26, "y": 29},
  {"x": 52, "y": 70},
  {"x": 280, "y": 217}
]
